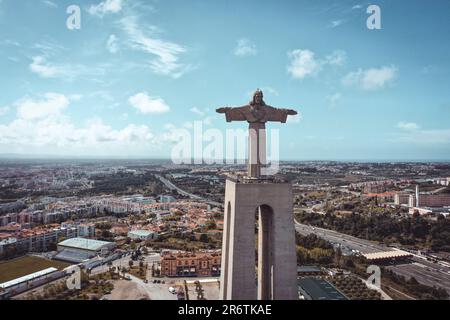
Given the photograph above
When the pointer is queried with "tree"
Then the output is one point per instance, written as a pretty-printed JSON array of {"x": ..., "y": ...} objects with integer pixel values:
[
  {"x": 106, "y": 234},
  {"x": 204, "y": 237}
]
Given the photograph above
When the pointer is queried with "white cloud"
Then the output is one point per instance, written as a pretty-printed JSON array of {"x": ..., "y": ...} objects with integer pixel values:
[
  {"x": 295, "y": 118},
  {"x": 407, "y": 125},
  {"x": 42, "y": 127},
  {"x": 245, "y": 48},
  {"x": 61, "y": 132},
  {"x": 9, "y": 42},
  {"x": 371, "y": 79},
  {"x": 167, "y": 53},
  {"x": 197, "y": 111},
  {"x": 42, "y": 68},
  {"x": 146, "y": 104},
  {"x": 303, "y": 62},
  {"x": 48, "y": 48},
  {"x": 412, "y": 133},
  {"x": 50, "y": 4},
  {"x": 336, "y": 58},
  {"x": 50, "y": 104},
  {"x": 270, "y": 90},
  {"x": 336, "y": 23},
  {"x": 107, "y": 6},
  {"x": 66, "y": 71},
  {"x": 425, "y": 138},
  {"x": 111, "y": 44}
]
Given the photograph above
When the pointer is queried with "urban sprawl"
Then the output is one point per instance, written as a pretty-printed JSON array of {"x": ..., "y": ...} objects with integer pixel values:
[{"x": 148, "y": 229}]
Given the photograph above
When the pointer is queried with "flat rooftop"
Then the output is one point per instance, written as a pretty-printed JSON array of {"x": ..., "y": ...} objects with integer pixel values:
[
  {"x": 320, "y": 289},
  {"x": 396, "y": 254},
  {"x": 86, "y": 244},
  {"x": 143, "y": 233},
  {"x": 28, "y": 277}
]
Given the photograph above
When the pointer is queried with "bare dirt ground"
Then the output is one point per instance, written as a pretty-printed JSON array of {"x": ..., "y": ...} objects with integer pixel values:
[{"x": 127, "y": 290}]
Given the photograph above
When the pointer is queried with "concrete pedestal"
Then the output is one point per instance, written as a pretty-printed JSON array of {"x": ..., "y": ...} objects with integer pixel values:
[{"x": 277, "y": 271}]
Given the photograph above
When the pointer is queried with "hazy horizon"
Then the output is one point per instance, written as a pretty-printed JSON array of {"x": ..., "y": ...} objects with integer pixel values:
[{"x": 105, "y": 158}]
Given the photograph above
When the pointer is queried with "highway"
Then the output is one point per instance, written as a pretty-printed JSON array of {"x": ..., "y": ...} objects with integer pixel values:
[
  {"x": 353, "y": 243},
  {"x": 171, "y": 186},
  {"x": 425, "y": 272}
]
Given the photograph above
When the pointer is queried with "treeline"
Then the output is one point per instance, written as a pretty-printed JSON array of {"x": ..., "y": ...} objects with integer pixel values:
[
  {"x": 414, "y": 230},
  {"x": 313, "y": 250},
  {"x": 416, "y": 289},
  {"x": 122, "y": 182},
  {"x": 12, "y": 193}
]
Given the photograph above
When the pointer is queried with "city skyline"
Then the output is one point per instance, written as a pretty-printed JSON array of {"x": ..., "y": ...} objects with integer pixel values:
[{"x": 135, "y": 71}]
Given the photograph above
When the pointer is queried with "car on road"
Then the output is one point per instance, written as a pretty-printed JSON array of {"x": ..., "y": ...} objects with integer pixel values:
[{"x": 172, "y": 290}]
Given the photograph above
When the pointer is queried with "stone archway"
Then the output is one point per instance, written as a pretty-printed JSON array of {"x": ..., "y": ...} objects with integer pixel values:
[{"x": 265, "y": 252}]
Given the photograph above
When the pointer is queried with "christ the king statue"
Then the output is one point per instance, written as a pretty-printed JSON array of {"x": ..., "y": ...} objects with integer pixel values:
[{"x": 256, "y": 113}]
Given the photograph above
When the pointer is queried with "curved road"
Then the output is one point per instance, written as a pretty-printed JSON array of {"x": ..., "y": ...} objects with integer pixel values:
[{"x": 171, "y": 186}]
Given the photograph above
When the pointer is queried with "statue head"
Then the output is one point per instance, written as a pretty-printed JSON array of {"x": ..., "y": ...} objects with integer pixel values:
[{"x": 257, "y": 98}]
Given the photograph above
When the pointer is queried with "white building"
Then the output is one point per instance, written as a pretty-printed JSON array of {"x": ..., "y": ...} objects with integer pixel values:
[
  {"x": 80, "y": 249},
  {"x": 142, "y": 235}
]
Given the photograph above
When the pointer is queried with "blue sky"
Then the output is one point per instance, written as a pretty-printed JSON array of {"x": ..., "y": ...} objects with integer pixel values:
[{"x": 137, "y": 70}]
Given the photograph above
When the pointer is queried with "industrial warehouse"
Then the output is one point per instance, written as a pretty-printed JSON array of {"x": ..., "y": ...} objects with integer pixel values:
[{"x": 77, "y": 250}]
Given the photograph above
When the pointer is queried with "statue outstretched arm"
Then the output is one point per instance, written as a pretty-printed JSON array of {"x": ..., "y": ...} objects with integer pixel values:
[
  {"x": 279, "y": 114},
  {"x": 233, "y": 114},
  {"x": 290, "y": 112}
]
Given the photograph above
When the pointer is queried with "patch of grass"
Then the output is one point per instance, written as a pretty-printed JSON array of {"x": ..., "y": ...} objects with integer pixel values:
[{"x": 23, "y": 266}]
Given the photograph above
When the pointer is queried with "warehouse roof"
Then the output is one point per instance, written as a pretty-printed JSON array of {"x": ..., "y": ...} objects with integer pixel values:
[
  {"x": 86, "y": 244},
  {"x": 387, "y": 255}
]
